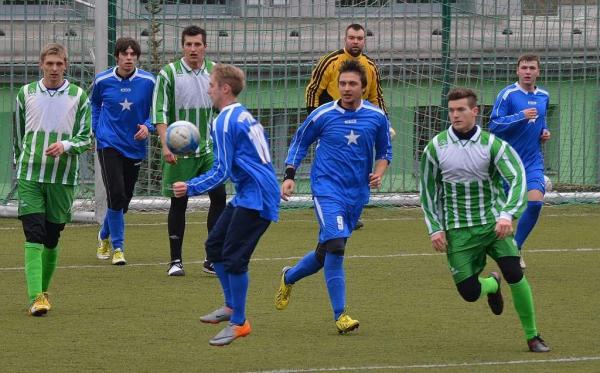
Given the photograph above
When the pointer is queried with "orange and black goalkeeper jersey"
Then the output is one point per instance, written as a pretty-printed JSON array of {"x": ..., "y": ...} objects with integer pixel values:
[{"x": 323, "y": 85}]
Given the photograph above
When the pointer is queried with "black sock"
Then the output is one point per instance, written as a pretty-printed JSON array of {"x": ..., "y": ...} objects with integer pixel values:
[{"x": 176, "y": 226}]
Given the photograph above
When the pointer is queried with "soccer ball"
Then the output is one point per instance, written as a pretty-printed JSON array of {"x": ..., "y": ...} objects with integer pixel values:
[
  {"x": 182, "y": 137},
  {"x": 547, "y": 183}
]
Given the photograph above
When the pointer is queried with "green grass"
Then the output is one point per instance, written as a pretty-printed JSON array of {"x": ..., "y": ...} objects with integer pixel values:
[{"x": 135, "y": 318}]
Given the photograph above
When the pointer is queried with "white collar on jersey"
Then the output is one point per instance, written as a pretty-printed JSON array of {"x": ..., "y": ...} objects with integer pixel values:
[
  {"x": 60, "y": 89},
  {"x": 455, "y": 138},
  {"x": 188, "y": 68},
  {"x": 535, "y": 91},
  {"x": 339, "y": 108},
  {"x": 135, "y": 73}
]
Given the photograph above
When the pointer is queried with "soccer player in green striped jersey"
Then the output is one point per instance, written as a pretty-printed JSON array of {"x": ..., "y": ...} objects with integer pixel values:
[
  {"x": 52, "y": 129},
  {"x": 468, "y": 214},
  {"x": 181, "y": 93}
]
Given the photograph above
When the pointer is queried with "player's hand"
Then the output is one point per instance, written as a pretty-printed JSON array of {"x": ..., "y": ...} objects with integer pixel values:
[
  {"x": 180, "y": 189},
  {"x": 169, "y": 157},
  {"x": 142, "y": 133},
  {"x": 374, "y": 180},
  {"x": 55, "y": 150},
  {"x": 439, "y": 243},
  {"x": 287, "y": 189},
  {"x": 530, "y": 113},
  {"x": 545, "y": 136},
  {"x": 503, "y": 228}
]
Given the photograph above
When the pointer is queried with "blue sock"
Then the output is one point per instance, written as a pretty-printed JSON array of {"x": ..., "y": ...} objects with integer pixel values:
[
  {"x": 336, "y": 282},
  {"x": 239, "y": 289},
  {"x": 104, "y": 230},
  {"x": 116, "y": 225},
  {"x": 527, "y": 221},
  {"x": 305, "y": 267},
  {"x": 224, "y": 278}
]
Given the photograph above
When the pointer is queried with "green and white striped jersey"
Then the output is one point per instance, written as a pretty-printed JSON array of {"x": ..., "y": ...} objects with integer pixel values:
[
  {"x": 44, "y": 117},
  {"x": 461, "y": 181},
  {"x": 181, "y": 93}
]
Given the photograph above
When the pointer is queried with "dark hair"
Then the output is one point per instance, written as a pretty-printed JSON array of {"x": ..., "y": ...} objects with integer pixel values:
[
  {"x": 460, "y": 93},
  {"x": 125, "y": 43},
  {"x": 193, "y": 31},
  {"x": 529, "y": 58},
  {"x": 354, "y": 66},
  {"x": 355, "y": 27}
]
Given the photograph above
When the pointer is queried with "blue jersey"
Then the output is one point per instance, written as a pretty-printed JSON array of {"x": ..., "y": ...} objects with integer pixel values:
[
  {"x": 118, "y": 106},
  {"x": 347, "y": 143},
  {"x": 241, "y": 153},
  {"x": 508, "y": 122}
]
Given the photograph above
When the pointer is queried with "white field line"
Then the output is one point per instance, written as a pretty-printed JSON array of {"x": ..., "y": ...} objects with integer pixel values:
[
  {"x": 408, "y": 218},
  {"x": 106, "y": 264},
  {"x": 437, "y": 366}
]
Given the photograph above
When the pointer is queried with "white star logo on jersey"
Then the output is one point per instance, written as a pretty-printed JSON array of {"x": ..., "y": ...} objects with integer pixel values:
[
  {"x": 125, "y": 105},
  {"x": 352, "y": 137}
]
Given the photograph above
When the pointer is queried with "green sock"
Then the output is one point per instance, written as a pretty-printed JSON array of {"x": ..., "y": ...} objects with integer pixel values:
[
  {"x": 49, "y": 258},
  {"x": 489, "y": 285},
  {"x": 523, "y": 300},
  {"x": 33, "y": 269}
]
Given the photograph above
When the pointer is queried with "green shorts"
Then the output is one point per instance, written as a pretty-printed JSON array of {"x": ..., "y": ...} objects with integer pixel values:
[
  {"x": 53, "y": 200},
  {"x": 185, "y": 169},
  {"x": 467, "y": 249}
]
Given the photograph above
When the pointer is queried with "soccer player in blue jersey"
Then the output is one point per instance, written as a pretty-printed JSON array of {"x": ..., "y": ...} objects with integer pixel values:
[
  {"x": 350, "y": 133},
  {"x": 519, "y": 118},
  {"x": 241, "y": 154},
  {"x": 121, "y": 100}
]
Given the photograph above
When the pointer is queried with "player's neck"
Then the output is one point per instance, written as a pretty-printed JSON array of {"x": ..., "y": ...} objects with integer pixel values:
[
  {"x": 350, "y": 105},
  {"x": 527, "y": 87},
  {"x": 53, "y": 84},
  {"x": 226, "y": 102},
  {"x": 124, "y": 74},
  {"x": 194, "y": 65}
]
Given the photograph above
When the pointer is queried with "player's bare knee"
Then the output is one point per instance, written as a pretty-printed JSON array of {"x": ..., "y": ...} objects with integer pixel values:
[
  {"x": 511, "y": 269},
  {"x": 34, "y": 227},
  {"x": 336, "y": 246},
  {"x": 469, "y": 289}
]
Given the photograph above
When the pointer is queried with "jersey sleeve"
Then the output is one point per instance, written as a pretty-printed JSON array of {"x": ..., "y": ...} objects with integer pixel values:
[
  {"x": 383, "y": 141},
  {"x": 160, "y": 99},
  {"x": 509, "y": 165},
  {"x": 501, "y": 120},
  {"x": 223, "y": 153},
  {"x": 19, "y": 123},
  {"x": 81, "y": 140},
  {"x": 429, "y": 190},
  {"x": 305, "y": 135},
  {"x": 318, "y": 83},
  {"x": 375, "y": 94},
  {"x": 96, "y": 104}
]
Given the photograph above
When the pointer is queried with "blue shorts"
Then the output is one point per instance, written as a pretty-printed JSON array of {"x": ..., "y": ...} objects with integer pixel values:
[
  {"x": 234, "y": 237},
  {"x": 336, "y": 219},
  {"x": 535, "y": 180}
]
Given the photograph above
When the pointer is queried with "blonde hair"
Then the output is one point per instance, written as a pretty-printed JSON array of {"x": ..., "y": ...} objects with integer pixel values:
[
  {"x": 230, "y": 75},
  {"x": 54, "y": 48}
]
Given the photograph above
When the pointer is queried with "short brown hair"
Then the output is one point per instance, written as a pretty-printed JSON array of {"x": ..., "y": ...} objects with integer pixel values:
[
  {"x": 354, "y": 66},
  {"x": 230, "y": 75},
  {"x": 529, "y": 58},
  {"x": 355, "y": 27},
  {"x": 125, "y": 43},
  {"x": 54, "y": 48},
  {"x": 460, "y": 93}
]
